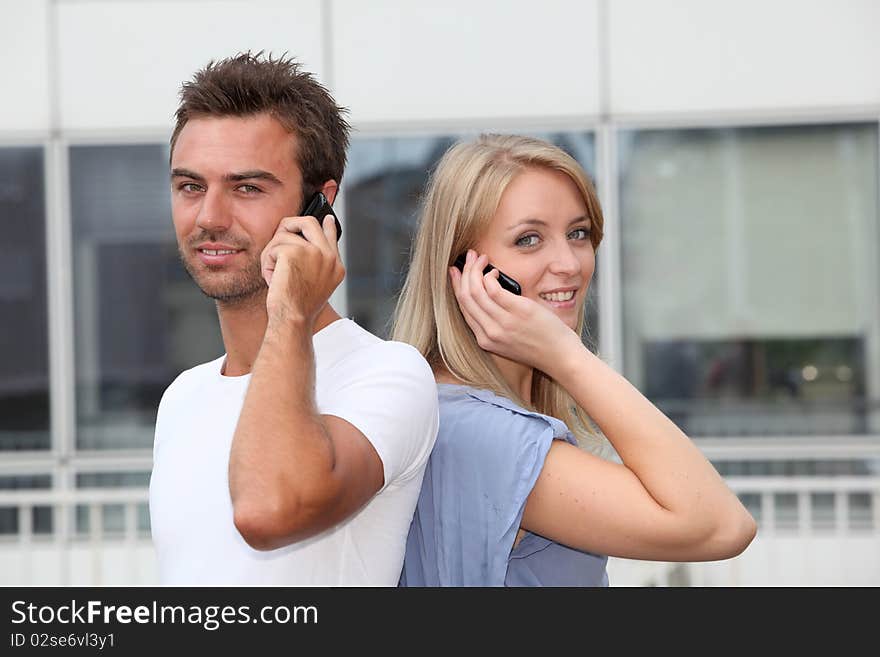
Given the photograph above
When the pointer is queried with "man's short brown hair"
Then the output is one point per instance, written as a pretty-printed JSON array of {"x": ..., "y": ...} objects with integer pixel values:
[{"x": 249, "y": 84}]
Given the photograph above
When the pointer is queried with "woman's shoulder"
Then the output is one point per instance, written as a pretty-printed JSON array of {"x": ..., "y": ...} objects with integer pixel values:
[{"x": 468, "y": 409}]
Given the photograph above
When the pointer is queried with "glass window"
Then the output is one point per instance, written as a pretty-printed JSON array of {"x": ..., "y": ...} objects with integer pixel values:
[
  {"x": 139, "y": 319},
  {"x": 750, "y": 277},
  {"x": 24, "y": 350},
  {"x": 785, "y": 508},
  {"x": 861, "y": 511},
  {"x": 42, "y": 519},
  {"x": 798, "y": 468},
  {"x": 113, "y": 518},
  {"x": 823, "y": 515},
  {"x": 384, "y": 183},
  {"x": 41, "y": 515},
  {"x": 112, "y": 479}
]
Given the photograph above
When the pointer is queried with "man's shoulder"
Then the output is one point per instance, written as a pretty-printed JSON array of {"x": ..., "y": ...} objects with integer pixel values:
[
  {"x": 197, "y": 375},
  {"x": 365, "y": 350}
]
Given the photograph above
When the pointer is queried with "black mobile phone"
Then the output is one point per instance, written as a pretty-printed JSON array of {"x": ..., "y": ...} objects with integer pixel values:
[
  {"x": 506, "y": 281},
  {"x": 319, "y": 207}
]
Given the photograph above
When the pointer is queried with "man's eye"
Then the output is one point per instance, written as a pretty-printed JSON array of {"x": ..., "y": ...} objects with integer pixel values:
[
  {"x": 249, "y": 189},
  {"x": 579, "y": 234},
  {"x": 190, "y": 187},
  {"x": 527, "y": 240}
]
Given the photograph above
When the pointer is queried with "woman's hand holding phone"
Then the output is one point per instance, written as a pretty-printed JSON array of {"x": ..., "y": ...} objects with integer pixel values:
[{"x": 511, "y": 326}]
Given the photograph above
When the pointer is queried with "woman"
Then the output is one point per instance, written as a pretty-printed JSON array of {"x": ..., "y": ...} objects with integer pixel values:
[{"x": 509, "y": 497}]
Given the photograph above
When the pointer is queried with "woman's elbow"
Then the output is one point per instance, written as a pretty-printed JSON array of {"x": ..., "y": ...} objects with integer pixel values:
[
  {"x": 733, "y": 536},
  {"x": 747, "y": 531}
]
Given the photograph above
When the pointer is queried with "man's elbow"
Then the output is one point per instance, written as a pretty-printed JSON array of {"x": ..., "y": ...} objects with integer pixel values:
[{"x": 265, "y": 525}]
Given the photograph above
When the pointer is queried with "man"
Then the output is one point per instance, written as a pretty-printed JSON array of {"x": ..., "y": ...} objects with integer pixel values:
[{"x": 296, "y": 458}]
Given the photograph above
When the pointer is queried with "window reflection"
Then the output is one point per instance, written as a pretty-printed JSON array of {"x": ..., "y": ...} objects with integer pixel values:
[
  {"x": 24, "y": 351},
  {"x": 140, "y": 321},
  {"x": 384, "y": 184},
  {"x": 750, "y": 277}
]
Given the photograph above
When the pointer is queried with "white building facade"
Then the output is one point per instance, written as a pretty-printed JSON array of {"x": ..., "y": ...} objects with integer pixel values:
[{"x": 735, "y": 148}]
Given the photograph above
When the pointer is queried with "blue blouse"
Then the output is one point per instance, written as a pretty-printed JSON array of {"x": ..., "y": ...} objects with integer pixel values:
[{"x": 487, "y": 458}]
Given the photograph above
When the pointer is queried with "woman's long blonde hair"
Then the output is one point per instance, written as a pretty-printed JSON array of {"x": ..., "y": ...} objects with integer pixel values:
[{"x": 463, "y": 195}]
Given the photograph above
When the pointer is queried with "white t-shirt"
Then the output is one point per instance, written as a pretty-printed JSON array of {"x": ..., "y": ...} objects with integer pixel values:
[{"x": 384, "y": 388}]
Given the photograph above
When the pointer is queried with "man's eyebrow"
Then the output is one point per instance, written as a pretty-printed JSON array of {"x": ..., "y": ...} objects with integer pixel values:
[
  {"x": 538, "y": 222},
  {"x": 256, "y": 174},
  {"x": 186, "y": 173}
]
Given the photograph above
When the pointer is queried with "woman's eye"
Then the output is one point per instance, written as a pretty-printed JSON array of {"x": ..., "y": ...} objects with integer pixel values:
[
  {"x": 527, "y": 240},
  {"x": 579, "y": 234}
]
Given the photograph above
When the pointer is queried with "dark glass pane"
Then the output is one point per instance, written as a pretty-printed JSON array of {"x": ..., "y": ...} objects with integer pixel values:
[
  {"x": 861, "y": 511},
  {"x": 384, "y": 184},
  {"x": 25, "y": 482},
  {"x": 752, "y": 386},
  {"x": 42, "y": 519},
  {"x": 822, "y": 511},
  {"x": 24, "y": 346},
  {"x": 140, "y": 320},
  {"x": 82, "y": 519},
  {"x": 112, "y": 479},
  {"x": 113, "y": 518},
  {"x": 785, "y": 507},
  {"x": 8, "y": 520},
  {"x": 143, "y": 518}
]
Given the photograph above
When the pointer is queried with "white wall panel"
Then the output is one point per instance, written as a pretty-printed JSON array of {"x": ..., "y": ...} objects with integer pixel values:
[
  {"x": 404, "y": 61},
  {"x": 24, "y": 72},
  {"x": 708, "y": 55},
  {"x": 121, "y": 64}
]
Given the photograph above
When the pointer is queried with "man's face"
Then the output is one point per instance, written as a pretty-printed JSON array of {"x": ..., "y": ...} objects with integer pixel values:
[{"x": 232, "y": 180}]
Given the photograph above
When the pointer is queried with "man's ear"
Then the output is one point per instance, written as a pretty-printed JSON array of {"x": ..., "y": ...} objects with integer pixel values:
[{"x": 330, "y": 189}]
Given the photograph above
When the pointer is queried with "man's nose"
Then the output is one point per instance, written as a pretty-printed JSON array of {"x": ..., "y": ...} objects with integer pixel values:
[{"x": 215, "y": 214}]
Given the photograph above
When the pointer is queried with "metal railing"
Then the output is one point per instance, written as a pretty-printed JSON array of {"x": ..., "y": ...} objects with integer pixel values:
[{"x": 82, "y": 549}]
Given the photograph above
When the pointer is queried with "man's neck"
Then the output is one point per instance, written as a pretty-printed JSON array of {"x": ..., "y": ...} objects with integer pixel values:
[{"x": 243, "y": 327}]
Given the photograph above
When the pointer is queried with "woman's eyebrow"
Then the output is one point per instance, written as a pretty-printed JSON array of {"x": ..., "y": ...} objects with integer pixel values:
[{"x": 539, "y": 222}]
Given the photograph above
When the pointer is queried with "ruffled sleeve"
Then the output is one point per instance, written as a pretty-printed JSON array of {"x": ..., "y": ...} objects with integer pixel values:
[{"x": 486, "y": 460}]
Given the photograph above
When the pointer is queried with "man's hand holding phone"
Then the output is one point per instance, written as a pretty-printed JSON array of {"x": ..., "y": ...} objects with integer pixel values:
[{"x": 302, "y": 267}]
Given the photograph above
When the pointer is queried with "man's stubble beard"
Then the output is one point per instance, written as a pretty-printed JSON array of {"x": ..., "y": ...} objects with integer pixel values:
[{"x": 229, "y": 288}]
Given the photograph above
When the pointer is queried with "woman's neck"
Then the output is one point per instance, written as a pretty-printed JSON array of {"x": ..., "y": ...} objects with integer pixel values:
[{"x": 516, "y": 375}]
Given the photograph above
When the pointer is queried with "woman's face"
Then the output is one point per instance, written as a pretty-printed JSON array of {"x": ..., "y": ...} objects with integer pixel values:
[{"x": 540, "y": 237}]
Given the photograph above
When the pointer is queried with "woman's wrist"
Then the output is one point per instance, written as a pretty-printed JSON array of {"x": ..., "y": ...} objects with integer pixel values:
[{"x": 567, "y": 359}]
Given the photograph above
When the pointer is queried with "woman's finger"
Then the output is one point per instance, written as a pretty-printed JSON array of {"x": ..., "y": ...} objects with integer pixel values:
[{"x": 481, "y": 322}]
